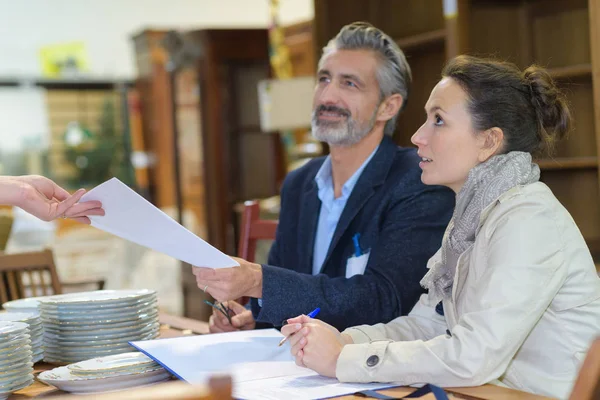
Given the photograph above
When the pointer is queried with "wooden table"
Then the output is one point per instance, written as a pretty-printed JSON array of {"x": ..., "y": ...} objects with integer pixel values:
[{"x": 173, "y": 326}]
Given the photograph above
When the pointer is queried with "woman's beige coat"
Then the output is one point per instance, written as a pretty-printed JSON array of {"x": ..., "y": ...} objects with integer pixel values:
[{"x": 525, "y": 307}]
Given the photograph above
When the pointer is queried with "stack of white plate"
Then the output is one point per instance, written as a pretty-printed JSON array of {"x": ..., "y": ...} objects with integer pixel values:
[
  {"x": 29, "y": 305},
  {"x": 105, "y": 374},
  {"x": 36, "y": 331},
  {"x": 16, "y": 367},
  {"x": 80, "y": 326}
]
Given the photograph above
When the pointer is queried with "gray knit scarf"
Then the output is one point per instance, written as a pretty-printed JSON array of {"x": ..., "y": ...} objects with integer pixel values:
[{"x": 485, "y": 184}]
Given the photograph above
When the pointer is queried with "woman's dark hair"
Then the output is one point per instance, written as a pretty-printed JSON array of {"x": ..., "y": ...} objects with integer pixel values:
[{"x": 529, "y": 108}]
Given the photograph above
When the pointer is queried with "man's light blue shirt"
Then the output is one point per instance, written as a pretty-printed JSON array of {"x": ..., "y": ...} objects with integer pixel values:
[{"x": 331, "y": 208}]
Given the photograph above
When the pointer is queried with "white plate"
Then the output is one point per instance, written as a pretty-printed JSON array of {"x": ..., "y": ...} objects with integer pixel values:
[
  {"x": 28, "y": 318},
  {"x": 63, "y": 379},
  {"x": 15, "y": 360},
  {"x": 93, "y": 298},
  {"x": 112, "y": 363},
  {"x": 100, "y": 334},
  {"x": 90, "y": 327},
  {"x": 95, "y": 343},
  {"x": 10, "y": 377},
  {"x": 9, "y": 329},
  {"x": 113, "y": 321},
  {"x": 98, "y": 314},
  {"x": 81, "y": 350},
  {"x": 5, "y": 392},
  {"x": 29, "y": 304}
]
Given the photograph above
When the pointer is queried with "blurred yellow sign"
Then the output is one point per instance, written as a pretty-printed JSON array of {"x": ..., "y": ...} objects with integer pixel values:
[{"x": 64, "y": 59}]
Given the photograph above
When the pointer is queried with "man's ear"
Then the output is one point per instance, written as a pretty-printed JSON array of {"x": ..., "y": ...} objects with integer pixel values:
[
  {"x": 491, "y": 143},
  {"x": 389, "y": 107}
]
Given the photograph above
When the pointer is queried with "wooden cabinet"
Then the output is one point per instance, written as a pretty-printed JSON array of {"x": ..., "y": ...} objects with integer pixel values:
[
  {"x": 219, "y": 156},
  {"x": 562, "y": 35}
]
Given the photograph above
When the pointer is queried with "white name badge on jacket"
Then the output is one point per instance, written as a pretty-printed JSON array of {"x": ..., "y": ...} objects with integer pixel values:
[{"x": 356, "y": 265}]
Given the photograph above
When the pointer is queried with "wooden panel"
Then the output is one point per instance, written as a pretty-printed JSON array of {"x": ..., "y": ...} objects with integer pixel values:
[
  {"x": 407, "y": 17},
  {"x": 584, "y": 206},
  {"x": 396, "y": 18},
  {"x": 156, "y": 110},
  {"x": 594, "y": 18},
  {"x": 426, "y": 67},
  {"x": 562, "y": 39},
  {"x": 191, "y": 150},
  {"x": 496, "y": 31},
  {"x": 582, "y": 141},
  {"x": 299, "y": 40}
]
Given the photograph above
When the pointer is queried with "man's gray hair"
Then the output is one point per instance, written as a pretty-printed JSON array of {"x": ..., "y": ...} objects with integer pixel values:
[{"x": 394, "y": 75}]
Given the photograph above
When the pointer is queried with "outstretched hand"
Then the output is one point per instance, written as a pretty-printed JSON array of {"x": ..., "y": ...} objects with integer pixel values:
[{"x": 44, "y": 199}]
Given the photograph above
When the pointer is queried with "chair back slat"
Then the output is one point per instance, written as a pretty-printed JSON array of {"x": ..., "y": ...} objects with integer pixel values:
[
  {"x": 254, "y": 229},
  {"x": 28, "y": 274},
  {"x": 3, "y": 293},
  {"x": 44, "y": 285},
  {"x": 32, "y": 283}
]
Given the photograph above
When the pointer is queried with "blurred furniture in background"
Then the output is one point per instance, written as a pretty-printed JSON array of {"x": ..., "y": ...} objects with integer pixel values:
[
  {"x": 28, "y": 275},
  {"x": 6, "y": 222},
  {"x": 254, "y": 229},
  {"x": 222, "y": 158},
  {"x": 34, "y": 274}
]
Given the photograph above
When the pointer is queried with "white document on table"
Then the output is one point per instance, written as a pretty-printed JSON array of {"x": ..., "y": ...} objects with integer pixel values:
[
  {"x": 131, "y": 217},
  {"x": 260, "y": 369}
]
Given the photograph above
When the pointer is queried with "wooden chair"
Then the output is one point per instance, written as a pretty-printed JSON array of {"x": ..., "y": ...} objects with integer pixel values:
[
  {"x": 254, "y": 229},
  {"x": 587, "y": 385},
  {"x": 218, "y": 388},
  {"x": 33, "y": 274}
]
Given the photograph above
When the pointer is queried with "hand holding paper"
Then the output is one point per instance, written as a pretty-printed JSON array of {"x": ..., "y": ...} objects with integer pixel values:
[
  {"x": 231, "y": 283},
  {"x": 130, "y": 216}
]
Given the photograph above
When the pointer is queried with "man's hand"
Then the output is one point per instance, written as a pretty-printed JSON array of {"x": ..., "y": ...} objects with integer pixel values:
[
  {"x": 242, "y": 320},
  {"x": 44, "y": 199},
  {"x": 231, "y": 283}
]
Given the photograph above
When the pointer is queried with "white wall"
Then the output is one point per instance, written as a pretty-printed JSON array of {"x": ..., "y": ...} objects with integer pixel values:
[{"x": 106, "y": 27}]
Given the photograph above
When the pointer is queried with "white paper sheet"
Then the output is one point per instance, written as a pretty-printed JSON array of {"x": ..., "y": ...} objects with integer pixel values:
[
  {"x": 131, "y": 217},
  {"x": 260, "y": 369}
]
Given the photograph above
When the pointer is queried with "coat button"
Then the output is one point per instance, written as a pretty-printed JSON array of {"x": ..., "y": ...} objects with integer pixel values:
[{"x": 372, "y": 361}]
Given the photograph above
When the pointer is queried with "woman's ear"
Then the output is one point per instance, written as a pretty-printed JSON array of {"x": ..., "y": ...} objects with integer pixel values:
[
  {"x": 491, "y": 143},
  {"x": 389, "y": 107}
]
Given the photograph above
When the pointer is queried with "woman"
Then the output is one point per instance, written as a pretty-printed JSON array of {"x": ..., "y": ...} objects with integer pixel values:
[
  {"x": 514, "y": 297},
  {"x": 46, "y": 200}
]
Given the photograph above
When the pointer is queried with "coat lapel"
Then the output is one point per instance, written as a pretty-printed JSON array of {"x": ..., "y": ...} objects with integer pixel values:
[
  {"x": 372, "y": 176},
  {"x": 310, "y": 206}
]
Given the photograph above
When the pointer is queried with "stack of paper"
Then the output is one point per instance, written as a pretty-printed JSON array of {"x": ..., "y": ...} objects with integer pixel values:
[{"x": 260, "y": 369}]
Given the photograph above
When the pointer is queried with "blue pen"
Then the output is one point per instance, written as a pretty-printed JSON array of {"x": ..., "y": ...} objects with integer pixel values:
[
  {"x": 311, "y": 314},
  {"x": 314, "y": 312},
  {"x": 357, "y": 250}
]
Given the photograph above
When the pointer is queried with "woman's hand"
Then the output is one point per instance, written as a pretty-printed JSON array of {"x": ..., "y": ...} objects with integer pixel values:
[
  {"x": 315, "y": 344},
  {"x": 44, "y": 199}
]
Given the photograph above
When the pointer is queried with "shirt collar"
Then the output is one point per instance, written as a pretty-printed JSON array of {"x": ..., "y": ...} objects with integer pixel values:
[{"x": 325, "y": 180}]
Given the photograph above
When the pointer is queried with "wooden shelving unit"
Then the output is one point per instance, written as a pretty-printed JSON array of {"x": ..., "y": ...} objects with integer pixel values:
[
  {"x": 562, "y": 35},
  {"x": 562, "y": 163},
  {"x": 437, "y": 36},
  {"x": 572, "y": 72}
]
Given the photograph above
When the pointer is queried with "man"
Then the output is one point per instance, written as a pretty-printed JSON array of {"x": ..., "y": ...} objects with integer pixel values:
[{"x": 356, "y": 227}]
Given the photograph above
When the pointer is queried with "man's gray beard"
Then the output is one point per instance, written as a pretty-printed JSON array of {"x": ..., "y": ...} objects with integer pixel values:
[{"x": 342, "y": 133}]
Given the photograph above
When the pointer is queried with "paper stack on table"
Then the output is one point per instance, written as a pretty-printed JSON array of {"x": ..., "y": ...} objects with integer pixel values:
[
  {"x": 131, "y": 217},
  {"x": 260, "y": 369}
]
